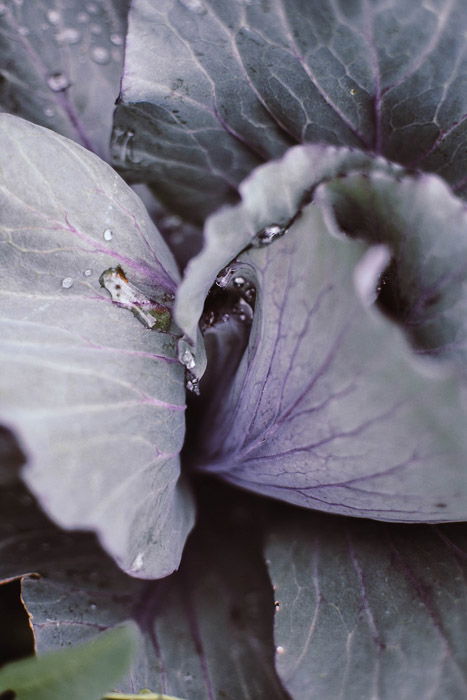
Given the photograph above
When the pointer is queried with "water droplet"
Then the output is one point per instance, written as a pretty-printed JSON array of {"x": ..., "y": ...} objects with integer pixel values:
[
  {"x": 277, "y": 604},
  {"x": 224, "y": 277},
  {"x": 187, "y": 359},
  {"x": 23, "y": 31},
  {"x": 116, "y": 39},
  {"x": 93, "y": 606},
  {"x": 239, "y": 282},
  {"x": 53, "y": 16},
  {"x": 123, "y": 148},
  {"x": 172, "y": 221},
  {"x": 268, "y": 234},
  {"x": 49, "y": 111},
  {"x": 353, "y": 91},
  {"x": 192, "y": 383},
  {"x": 280, "y": 650},
  {"x": 87, "y": 273},
  {"x": 92, "y": 8},
  {"x": 100, "y": 55},
  {"x": 193, "y": 5},
  {"x": 108, "y": 235},
  {"x": 82, "y": 17},
  {"x": 58, "y": 82},
  {"x": 249, "y": 294},
  {"x": 138, "y": 562},
  {"x": 67, "y": 282},
  {"x": 69, "y": 35}
]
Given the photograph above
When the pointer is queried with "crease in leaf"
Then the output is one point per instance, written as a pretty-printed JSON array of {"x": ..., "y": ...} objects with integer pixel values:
[{"x": 330, "y": 407}]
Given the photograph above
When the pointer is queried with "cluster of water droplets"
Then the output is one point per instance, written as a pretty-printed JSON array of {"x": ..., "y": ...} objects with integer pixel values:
[
  {"x": 232, "y": 297},
  {"x": 91, "y": 28},
  {"x": 187, "y": 357}
]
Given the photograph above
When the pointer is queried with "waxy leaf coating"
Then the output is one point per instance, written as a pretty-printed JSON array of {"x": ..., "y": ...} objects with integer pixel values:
[
  {"x": 95, "y": 397},
  {"x": 330, "y": 408}
]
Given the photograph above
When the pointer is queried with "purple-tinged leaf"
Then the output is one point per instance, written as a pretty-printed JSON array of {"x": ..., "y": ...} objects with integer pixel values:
[
  {"x": 368, "y": 610},
  {"x": 95, "y": 398},
  {"x": 222, "y": 585},
  {"x": 425, "y": 226},
  {"x": 212, "y": 88},
  {"x": 330, "y": 408},
  {"x": 61, "y": 65},
  {"x": 227, "y": 233}
]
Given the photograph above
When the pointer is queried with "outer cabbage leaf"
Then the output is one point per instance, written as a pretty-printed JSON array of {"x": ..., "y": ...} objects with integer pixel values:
[
  {"x": 366, "y": 610},
  {"x": 212, "y": 88},
  {"x": 95, "y": 398},
  {"x": 222, "y": 582},
  {"x": 61, "y": 65},
  {"x": 330, "y": 408}
]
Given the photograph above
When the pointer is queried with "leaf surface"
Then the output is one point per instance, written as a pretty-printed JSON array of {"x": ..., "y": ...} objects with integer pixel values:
[
  {"x": 366, "y": 610},
  {"x": 95, "y": 397},
  {"x": 330, "y": 408},
  {"x": 222, "y": 584},
  {"x": 61, "y": 65},
  {"x": 213, "y": 88}
]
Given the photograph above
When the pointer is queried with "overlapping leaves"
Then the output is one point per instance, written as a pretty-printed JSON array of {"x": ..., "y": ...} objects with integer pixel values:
[{"x": 212, "y": 88}]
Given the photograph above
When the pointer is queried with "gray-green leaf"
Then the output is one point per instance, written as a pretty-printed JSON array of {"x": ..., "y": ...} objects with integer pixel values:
[
  {"x": 95, "y": 397},
  {"x": 61, "y": 65},
  {"x": 330, "y": 408},
  {"x": 212, "y": 88},
  {"x": 366, "y": 610}
]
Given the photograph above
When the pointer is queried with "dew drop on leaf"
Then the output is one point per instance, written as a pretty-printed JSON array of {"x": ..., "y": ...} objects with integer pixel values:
[
  {"x": 268, "y": 234},
  {"x": 138, "y": 562},
  {"x": 92, "y": 8},
  {"x": 87, "y": 273},
  {"x": 58, "y": 82},
  {"x": 68, "y": 35},
  {"x": 100, "y": 55},
  {"x": 224, "y": 277},
  {"x": 53, "y": 16},
  {"x": 67, "y": 282},
  {"x": 108, "y": 235},
  {"x": 116, "y": 39},
  {"x": 187, "y": 359},
  {"x": 193, "y": 5}
]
